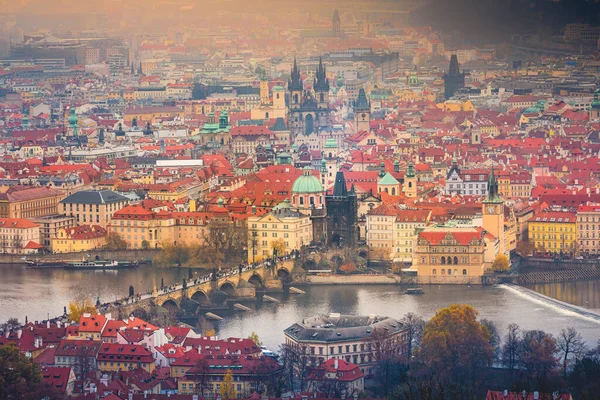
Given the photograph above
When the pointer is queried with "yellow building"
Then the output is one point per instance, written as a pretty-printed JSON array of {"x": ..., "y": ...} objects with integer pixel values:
[
  {"x": 453, "y": 255},
  {"x": 283, "y": 225},
  {"x": 93, "y": 206},
  {"x": 114, "y": 357},
  {"x": 391, "y": 232},
  {"x": 79, "y": 238},
  {"x": 516, "y": 184},
  {"x": 554, "y": 232},
  {"x": 28, "y": 202},
  {"x": 588, "y": 228},
  {"x": 146, "y": 228}
]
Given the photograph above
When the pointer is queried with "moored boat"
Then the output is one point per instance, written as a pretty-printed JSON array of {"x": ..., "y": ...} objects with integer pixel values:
[
  {"x": 100, "y": 264},
  {"x": 414, "y": 291},
  {"x": 45, "y": 264}
]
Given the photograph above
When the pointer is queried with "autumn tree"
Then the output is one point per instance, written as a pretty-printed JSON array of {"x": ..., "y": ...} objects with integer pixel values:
[
  {"x": 173, "y": 254},
  {"x": 254, "y": 337},
  {"x": 538, "y": 356},
  {"x": 114, "y": 241},
  {"x": 227, "y": 390},
  {"x": 501, "y": 263},
  {"x": 348, "y": 268},
  {"x": 570, "y": 344},
  {"x": 20, "y": 377},
  {"x": 455, "y": 342},
  {"x": 278, "y": 247},
  {"x": 524, "y": 248},
  {"x": 414, "y": 326},
  {"x": 78, "y": 308},
  {"x": 201, "y": 372}
]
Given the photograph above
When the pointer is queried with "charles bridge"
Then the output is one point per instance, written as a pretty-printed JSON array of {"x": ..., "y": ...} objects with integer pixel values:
[{"x": 209, "y": 291}]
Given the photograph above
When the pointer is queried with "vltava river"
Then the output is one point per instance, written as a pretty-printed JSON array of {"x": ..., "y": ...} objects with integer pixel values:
[{"x": 39, "y": 293}]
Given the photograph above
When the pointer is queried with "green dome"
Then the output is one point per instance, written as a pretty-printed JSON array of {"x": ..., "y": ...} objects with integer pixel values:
[
  {"x": 73, "y": 118},
  {"x": 307, "y": 183},
  {"x": 331, "y": 143}
]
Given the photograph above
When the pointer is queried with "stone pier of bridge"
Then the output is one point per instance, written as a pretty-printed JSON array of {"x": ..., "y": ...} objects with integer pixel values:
[{"x": 206, "y": 292}]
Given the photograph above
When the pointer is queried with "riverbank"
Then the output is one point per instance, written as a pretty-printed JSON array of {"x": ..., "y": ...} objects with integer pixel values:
[
  {"x": 354, "y": 280},
  {"x": 120, "y": 255}
]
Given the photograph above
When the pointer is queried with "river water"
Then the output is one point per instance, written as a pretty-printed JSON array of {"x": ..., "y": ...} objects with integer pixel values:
[{"x": 39, "y": 293}]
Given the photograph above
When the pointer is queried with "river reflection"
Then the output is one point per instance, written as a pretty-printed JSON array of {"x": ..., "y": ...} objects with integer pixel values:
[
  {"x": 39, "y": 293},
  {"x": 583, "y": 294},
  {"x": 496, "y": 303}
]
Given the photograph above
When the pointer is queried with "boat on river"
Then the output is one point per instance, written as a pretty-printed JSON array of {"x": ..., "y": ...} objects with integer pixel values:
[
  {"x": 100, "y": 264},
  {"x": 417, "y": 290}
]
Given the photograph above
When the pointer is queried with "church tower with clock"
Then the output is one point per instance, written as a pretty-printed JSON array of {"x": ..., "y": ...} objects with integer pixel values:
[{"x": 493, "y": 212}]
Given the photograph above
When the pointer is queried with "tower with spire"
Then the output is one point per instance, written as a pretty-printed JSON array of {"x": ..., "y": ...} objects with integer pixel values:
[
  {"x": 493, "y": 212},
  {"x": 362, "y": 112},
  {"x": 342, "y": 211},
  {"x": 336, "y": 23},
  {"x": 308, "y": 111},
  {"x": 454, "y": 80},
  {"x": 410, "y": 182}
]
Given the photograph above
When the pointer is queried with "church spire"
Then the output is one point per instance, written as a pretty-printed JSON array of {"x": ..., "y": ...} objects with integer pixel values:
[
  {"x": 295, "y": 82},
  {"x": 492, "y": 187},
  {"x": 339, "y": 188}
]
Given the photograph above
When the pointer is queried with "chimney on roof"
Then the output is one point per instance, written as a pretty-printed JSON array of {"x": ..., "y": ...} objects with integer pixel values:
[
  {"x": 505, "y": 394},
  {"x": 130, "y": 396},
  {"x": 336, "y": 364},
  {"x": 48, "y": 324},
  {"x": 536, "y": 395}
]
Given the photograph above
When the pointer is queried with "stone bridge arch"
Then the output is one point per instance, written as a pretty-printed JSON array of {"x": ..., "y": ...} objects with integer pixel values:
[
  {"x": 171, "y": 305},
  {"x": 283, "y": 273},
  {"x": 200, "y": 297},
  {"x": 140, "y": 313},
  {"x": 309, "y": 264},
  {"x": 337, "y": 260},
  {"x": 363, "y": 253},
  {"x": 228, "y": 288},
  {"x": 256, "y": 280}
]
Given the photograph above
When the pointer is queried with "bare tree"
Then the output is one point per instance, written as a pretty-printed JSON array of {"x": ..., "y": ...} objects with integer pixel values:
[
  {"x": 414, "y": 331},
  {"x": 511, "y": 348},
  {"x": 201, "y": 372},
  {"x": 494, "y": 336},
  {"x": 296, "y": 364},
  {"x": 570, "y": 343}
]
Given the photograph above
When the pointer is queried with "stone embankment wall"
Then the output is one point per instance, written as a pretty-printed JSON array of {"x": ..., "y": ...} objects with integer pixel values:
[
  {"x": 566, "y": 275},
  {"x": 535, "y": 264},
  {"x": 353, "y": 280},
  {"x": 120, "y": 255}
]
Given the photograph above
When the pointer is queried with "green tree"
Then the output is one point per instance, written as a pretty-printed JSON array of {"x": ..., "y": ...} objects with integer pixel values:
[
  {"x": 227, "y": 390},
  {"x": 501, "y": 263},
  {"x": 254, "y": 337},
  {"x": 455, "y": 342},
  {"x": 114, "y": 241},
  {"x": 145, "y": 245},
  {"x": 78, "y": 308},
  {"x": 173, "y": 254},
  {"x": 20, "y": 377}
]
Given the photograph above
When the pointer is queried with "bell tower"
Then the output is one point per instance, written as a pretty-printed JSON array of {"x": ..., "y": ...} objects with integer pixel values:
[
  {"x": 362, "y": 112},
  {"x": 410, "y": 182},
  {"x": 321, "y": 86},
  {"x": 295, "y": 86},
  {"x": 493, "y": 212}
]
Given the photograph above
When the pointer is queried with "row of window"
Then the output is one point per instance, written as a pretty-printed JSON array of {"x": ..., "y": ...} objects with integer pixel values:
[{"x": 450, "y": 272}]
